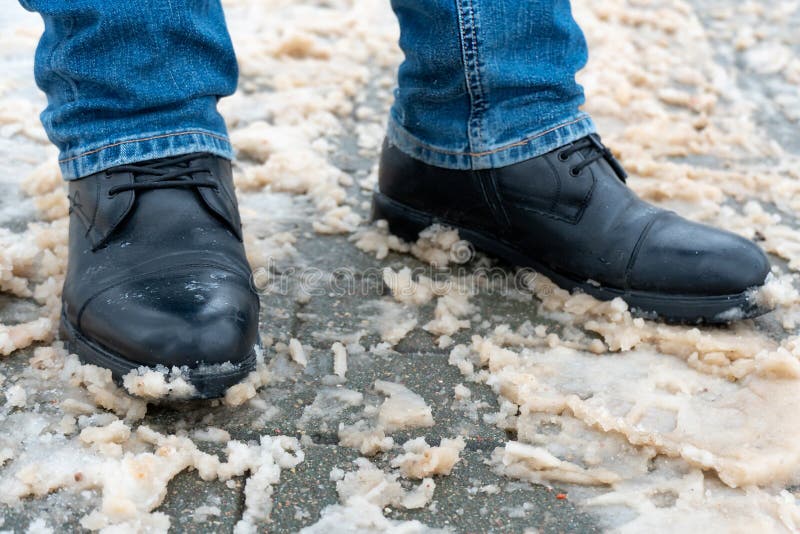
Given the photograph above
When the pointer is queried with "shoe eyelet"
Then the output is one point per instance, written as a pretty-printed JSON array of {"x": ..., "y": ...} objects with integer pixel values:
[
  {"x": 574, "y": 172},
  {"x": 562, "y": 156}
]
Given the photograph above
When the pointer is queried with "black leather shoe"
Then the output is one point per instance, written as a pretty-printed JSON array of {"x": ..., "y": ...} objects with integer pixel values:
[
  {"x": 569, "y": 215},
  {"x": 157, "y": 272}
]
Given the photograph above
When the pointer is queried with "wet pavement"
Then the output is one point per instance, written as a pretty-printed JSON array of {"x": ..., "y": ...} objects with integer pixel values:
[{"x": 460, "y": 504}]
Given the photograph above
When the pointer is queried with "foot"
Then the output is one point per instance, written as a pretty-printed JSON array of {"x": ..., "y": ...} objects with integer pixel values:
[
  {"x": 157, "y": 272},
  {"x": 569, "y": 215}
]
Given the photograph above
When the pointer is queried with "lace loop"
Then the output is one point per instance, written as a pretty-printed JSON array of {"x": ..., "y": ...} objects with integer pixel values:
[
  {"x": 599, "y": 151},
  {"x": 162, "y": 174}
]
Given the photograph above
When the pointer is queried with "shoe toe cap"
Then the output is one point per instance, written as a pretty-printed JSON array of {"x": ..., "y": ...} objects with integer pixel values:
[
  {"x": 682, "y": 257},
  {"x": 205, "y": 317}
]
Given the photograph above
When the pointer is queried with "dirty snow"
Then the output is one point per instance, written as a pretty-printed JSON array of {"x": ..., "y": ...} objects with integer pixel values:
[{"x": 645, "y": 424}]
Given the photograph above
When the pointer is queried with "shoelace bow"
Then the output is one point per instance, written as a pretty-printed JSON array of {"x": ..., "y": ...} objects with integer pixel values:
[
  {"x": 600, "y": 151},
  {"x": 163, "y": 173}
]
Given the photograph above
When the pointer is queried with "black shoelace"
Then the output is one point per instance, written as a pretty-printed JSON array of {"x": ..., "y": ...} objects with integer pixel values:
[
  {"x": 164, "y": 173},
  {"x": 598, "y": 151}
]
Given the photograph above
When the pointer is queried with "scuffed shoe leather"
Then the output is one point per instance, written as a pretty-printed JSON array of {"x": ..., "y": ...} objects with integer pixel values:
[{"x": 157, "y": 273}]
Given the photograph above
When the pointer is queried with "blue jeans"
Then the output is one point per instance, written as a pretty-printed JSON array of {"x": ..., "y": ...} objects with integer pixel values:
[{"x": 485, "y": 83}]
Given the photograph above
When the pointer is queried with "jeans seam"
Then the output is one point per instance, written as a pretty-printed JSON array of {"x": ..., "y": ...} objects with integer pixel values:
[
  {"x": 69, "y": 22},
  {"x": 58, "y": 49},
  {"x": 142, "y": 140},
  {"x": 469, "y": 49}
]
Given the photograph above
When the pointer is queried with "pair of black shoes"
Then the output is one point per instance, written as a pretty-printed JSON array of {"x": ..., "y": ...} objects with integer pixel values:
[{"x": 158, "y": 276}]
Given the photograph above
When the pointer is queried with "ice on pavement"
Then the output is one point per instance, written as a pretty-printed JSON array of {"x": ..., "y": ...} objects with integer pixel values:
[{"x": 650, "y": 426}]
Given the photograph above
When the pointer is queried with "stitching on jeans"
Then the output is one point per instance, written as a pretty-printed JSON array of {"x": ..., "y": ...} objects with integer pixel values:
[
  {"x": 470, "y": 61},
  {"x": 189, "y": 132},
  {"x": 493, "y": 151},
  {"x": 460, "y": 15},
  {"x": 479, "y": 105}
]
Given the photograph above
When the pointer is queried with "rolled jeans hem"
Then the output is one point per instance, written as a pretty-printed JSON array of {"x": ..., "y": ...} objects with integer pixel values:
[
  {"x": 527, "y": 147},
  {"x": 143, "y": 148}
]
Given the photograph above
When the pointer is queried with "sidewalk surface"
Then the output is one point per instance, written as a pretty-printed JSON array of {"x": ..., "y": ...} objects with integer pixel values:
[{"x": 540, "y": 412}]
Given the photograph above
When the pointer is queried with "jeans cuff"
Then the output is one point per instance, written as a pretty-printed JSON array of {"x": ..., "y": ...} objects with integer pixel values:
[
  {"x": 516, "y": 151},
  {"x": 143, "y": 148}
]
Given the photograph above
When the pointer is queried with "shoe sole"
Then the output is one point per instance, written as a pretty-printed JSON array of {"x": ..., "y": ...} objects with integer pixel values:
[
  {"x": 407, "y": 223},
  {"x": 208, "y": 382}
]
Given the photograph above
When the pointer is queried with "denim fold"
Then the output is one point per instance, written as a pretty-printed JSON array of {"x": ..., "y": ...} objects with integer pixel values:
[
  {"x": 132, "y": 81},
  {"x": 484, "y": 83},
  {"x": 487, "y": 83}
]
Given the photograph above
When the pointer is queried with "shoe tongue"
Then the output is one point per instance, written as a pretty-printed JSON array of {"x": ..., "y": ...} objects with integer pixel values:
[
  {"x": 166, "y": 215},
  {"x": 588, "y": 151},
  {"x": 168, "y": 206},
  {"x": 208, "y": 205},
  {"x": 162, "y": 209}
]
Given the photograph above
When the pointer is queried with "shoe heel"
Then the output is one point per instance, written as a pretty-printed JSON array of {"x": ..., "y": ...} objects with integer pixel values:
[{"x": 404, "y": 222}]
